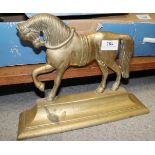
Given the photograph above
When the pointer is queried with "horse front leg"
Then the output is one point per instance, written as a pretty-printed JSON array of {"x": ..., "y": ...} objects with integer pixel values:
[
  {"x": 57, "y": 81},
  {"x": 41, "y": 70}
]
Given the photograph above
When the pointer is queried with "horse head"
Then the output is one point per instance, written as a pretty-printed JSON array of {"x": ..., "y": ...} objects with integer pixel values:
[
  {"x": 29, "y": 34},
  {"x": 55, "y": 31}
]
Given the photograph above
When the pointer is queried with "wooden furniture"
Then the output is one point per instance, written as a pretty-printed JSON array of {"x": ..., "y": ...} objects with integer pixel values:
[{"x": 22, "y": 74}]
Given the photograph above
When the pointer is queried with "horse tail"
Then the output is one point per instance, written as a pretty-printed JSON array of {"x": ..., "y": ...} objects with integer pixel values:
[{"x": 126, "y": 52}]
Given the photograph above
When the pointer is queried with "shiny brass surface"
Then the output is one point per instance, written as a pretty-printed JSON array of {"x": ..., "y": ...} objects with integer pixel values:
[
  {"x": 77, "y": 111},
  {"x": 65, "y": 47}
]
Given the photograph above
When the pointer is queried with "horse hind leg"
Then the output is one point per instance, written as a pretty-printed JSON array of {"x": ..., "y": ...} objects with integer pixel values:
[
  {"x": 117, "y": 69},
  {"x": 104, "y": 71},
  {"x": 41, "y": 70}
]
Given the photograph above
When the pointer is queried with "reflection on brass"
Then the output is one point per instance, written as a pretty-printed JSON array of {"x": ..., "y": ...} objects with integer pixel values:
[
  {"x": 78, "y": 111},
  {"x": 64, "y": 48}
]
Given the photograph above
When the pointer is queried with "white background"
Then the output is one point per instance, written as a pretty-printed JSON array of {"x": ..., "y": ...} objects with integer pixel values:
[{"x": 77, "y": 6}]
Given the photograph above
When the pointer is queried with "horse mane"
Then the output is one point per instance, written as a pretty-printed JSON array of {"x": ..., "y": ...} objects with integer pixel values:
[{"x": 55, "y": 31}]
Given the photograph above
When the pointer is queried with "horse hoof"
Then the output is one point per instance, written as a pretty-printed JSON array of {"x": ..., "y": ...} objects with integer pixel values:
[
  {"x": 42, "y": 87},
  {"x": 48, "y": 99},
  {"x": 114, "y": 87},
  {"x": 100, "y": 90}
]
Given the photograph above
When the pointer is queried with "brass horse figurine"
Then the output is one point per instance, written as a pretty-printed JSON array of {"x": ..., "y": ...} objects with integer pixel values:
[{"x": 65, "y": 47}]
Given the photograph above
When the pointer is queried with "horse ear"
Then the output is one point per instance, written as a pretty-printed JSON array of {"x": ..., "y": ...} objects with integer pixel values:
[{"x": 18, "y": 26}]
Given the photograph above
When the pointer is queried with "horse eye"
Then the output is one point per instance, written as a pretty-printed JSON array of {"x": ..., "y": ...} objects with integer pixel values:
[{"x": 27, "y": 34}]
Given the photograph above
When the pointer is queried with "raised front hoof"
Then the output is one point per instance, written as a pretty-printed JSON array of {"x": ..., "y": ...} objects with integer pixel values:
[
  {"x": 115, "y": 87},
  {"x": 41, "y": 87},
  {"x": 100, "y": 89}
]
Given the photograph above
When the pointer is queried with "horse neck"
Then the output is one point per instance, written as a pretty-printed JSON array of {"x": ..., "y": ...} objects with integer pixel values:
[{"x": 54, "y": 34}]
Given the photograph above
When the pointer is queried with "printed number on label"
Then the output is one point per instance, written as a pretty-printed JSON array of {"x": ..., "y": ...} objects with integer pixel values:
[{"x": 109, "y": 45}]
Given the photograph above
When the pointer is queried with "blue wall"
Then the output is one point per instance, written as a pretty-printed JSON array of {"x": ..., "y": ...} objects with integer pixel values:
[{"x": 12, "y": 51}]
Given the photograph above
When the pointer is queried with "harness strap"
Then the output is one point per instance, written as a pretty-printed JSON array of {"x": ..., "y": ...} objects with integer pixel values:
[{"x": 63, "y": 43}]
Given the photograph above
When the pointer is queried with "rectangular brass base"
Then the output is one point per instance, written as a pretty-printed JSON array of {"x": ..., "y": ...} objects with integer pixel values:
[{"x": 78, "y": 111}]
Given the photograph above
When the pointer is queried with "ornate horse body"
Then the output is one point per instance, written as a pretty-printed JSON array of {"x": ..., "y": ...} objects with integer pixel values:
[{"x": 65, "y": 47}]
